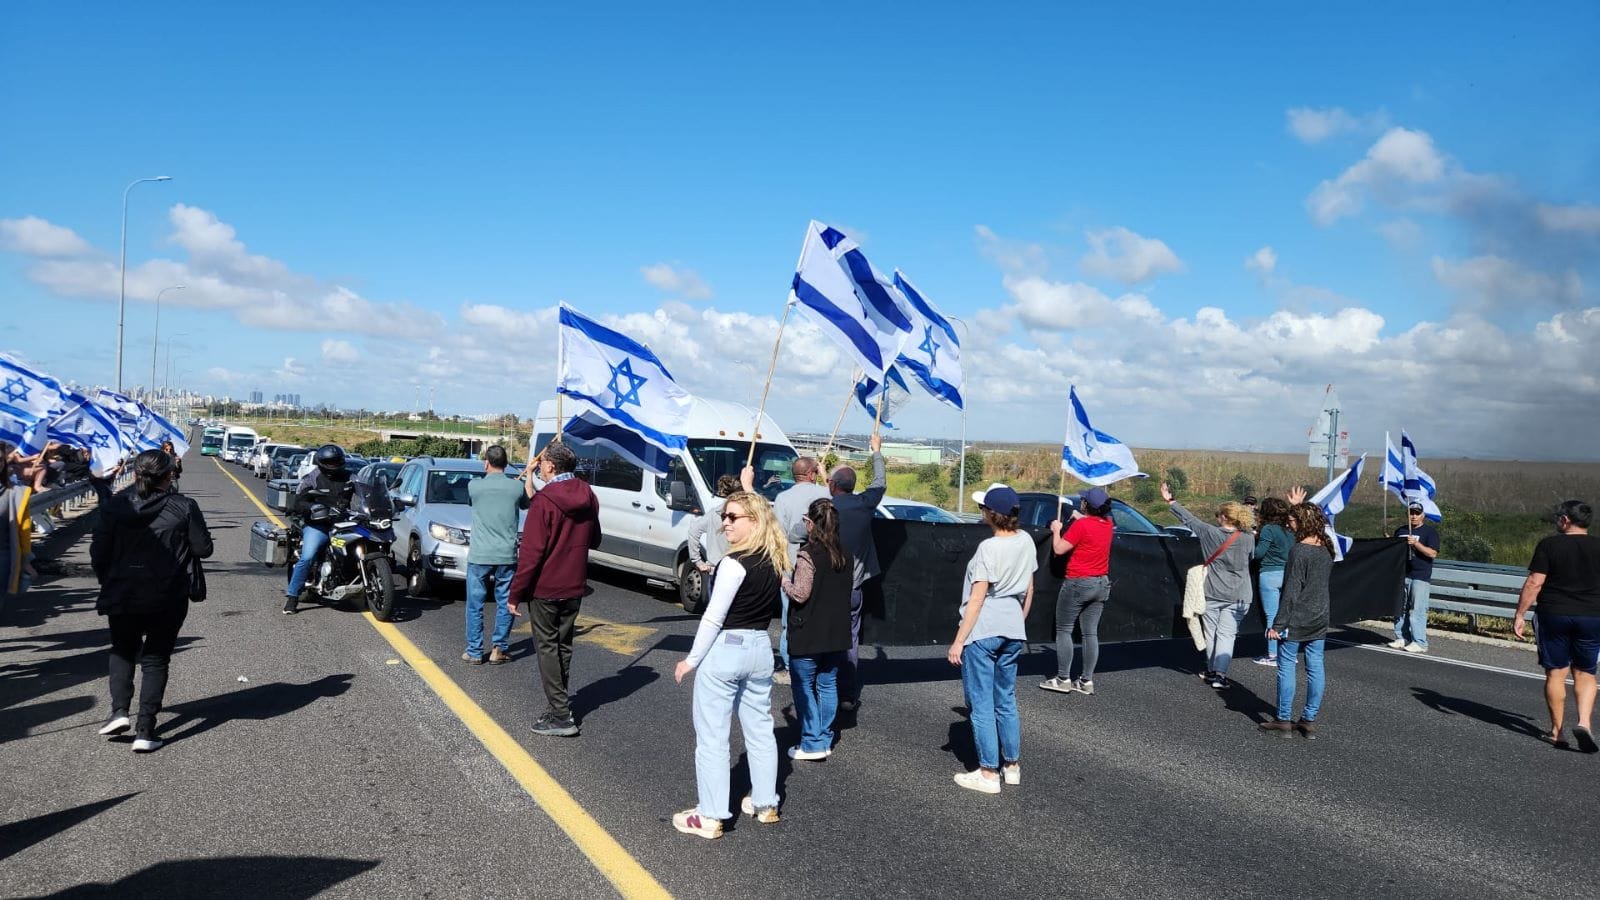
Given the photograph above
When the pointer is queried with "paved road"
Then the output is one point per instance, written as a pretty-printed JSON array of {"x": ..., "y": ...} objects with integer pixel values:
[{"x": 339, "y": 768}]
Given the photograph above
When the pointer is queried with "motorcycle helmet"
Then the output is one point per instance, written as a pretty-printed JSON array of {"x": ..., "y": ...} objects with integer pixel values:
[{"x": 330, "y": 458}]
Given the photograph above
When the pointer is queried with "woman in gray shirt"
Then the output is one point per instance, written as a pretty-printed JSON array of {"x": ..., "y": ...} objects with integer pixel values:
[
  {"x": 1301, "y": 624},
  {"x": 1229, "y": 545}
]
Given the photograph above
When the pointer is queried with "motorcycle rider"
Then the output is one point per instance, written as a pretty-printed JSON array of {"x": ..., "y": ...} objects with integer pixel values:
[{"x": 322, "y": 493}]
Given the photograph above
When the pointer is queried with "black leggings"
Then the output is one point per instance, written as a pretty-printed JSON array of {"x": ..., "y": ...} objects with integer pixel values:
[{"x": 148, "y": 638}]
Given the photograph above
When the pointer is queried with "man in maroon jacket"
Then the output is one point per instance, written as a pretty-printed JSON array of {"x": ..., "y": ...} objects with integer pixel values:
[{"x": 563, "y": 525}]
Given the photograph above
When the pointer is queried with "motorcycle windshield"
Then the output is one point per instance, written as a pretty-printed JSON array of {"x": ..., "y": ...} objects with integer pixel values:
[{"x": 371, "y": 499}]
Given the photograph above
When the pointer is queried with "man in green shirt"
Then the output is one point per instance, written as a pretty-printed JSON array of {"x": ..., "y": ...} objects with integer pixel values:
[{"x": 497, "y": 499}]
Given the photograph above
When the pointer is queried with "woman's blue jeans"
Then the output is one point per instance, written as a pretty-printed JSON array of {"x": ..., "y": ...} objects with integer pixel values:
[
  {"x": 1271, "y": 582},
  {"x": 989, "y": 680},
  {"x": 1289, "y": 653},
  {"x": 814, "y": 681},
  {"x": 736, "y": 675}
]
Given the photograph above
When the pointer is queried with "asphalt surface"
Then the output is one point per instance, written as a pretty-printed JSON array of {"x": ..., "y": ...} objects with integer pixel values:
[{"x": 336, "y": 770}]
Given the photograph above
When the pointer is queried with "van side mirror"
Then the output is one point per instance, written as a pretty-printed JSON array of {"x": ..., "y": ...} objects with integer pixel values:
[{"x": 680, "y": 498}]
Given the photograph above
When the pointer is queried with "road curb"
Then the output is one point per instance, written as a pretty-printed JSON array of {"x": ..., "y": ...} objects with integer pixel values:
[{"x": 1458, "y": 636}]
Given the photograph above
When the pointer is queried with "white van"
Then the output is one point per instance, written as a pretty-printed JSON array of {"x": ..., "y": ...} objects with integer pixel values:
[
  {"x": 644, "y": 517},
  {"x": 237, "y": 440}
]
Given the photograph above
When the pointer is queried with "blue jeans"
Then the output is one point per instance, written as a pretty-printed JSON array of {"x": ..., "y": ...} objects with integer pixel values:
[
  {"x": 815, "y": 686},
  {"x": 1411, "y": 624},
  {"x": 1288, "y": 658},
  {"x": 989, "y": 680},
  {"x": 735, "y": 675},
  {"x": 478, "y": 575},
  {"x": 312, "y": 540},
  {"x": 1222, "y": 627},
  {"x": 1271, "y": 582}
]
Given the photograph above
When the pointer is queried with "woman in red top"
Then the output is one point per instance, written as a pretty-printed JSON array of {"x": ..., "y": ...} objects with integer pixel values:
[{"x": 1085, "y": 589}]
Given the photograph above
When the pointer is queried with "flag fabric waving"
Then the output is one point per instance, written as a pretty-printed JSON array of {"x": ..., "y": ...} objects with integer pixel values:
[
  {"x": 1334, "y": 497},
  {"x": 870, "y": 392},
  {"x": 623, "y": 381},
  {"x": 1393, "y": 478},
  {"x": 1091, "y": 456},
  {"x": 848, "y": 299},
  {"x": 28, "y": 400},
  {"x": 155, "y": 430},
  {"x": 932, "y": 354},
  {"x": 591, "y": 427},
  {"x": 84, "y": 424}
]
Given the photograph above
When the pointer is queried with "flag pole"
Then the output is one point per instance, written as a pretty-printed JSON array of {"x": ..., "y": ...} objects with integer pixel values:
[
  {"x": 1386, "y": 445},
  {"x": 561, "y": 371},
  {"x": 839, "y": 422},
  {"x": 771, "y": 368},
  {"x": 883, "y": 397}
]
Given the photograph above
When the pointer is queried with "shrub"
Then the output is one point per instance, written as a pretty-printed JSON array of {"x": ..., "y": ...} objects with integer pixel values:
[
  {"x": 929, "y": 473},
  {"x": 1177, "y": 479},
  {"x": 974, "y": 466},
  {"x": 1466, "y": 548},
  {"x": 1146, "y": 491},
  {"x": 1241, "y": 486}
]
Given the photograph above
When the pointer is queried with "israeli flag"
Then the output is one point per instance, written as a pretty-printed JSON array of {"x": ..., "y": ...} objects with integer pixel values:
[
  {"x": 838, "y": 289},
  {"x": 1393, "y": 479},
  {"x": 1334, "y": 498},
  {"x": 84, "y": 424},
  {"x": 126, "y": 412},
  {"x": 932, "y": 354},
  {"x": 869, "y": 393},
  {"x": 1094, "y": 457},
  {"x": 591, "y": 427},
  {"x": 156, "y": 430},
  {"x": 28, "y": 400},
  {"x": 623, "y": 380}
]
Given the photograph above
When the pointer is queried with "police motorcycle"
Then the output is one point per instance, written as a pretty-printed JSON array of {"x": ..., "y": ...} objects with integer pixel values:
[{"x": 357, "y": 566}]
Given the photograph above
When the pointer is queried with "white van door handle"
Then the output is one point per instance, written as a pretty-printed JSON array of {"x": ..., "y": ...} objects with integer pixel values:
[
  {"x": 649, "y": 509},
  {"x": 637, "y": 504}
]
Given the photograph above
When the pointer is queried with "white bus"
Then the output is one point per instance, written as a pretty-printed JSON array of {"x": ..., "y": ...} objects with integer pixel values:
[{"x": 237, "y": 440}]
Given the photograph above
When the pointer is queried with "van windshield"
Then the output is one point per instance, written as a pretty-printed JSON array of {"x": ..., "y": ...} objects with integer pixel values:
[
  {"x": 241, "y": 441},
  {"x": 716, "y": 458}
]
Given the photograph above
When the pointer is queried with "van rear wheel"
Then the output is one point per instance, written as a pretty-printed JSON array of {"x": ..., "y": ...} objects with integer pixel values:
[{"x": 691, "y": 587}]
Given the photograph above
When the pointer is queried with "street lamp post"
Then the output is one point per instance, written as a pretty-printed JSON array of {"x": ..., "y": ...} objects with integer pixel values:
[
  {"x": 167, "y": 390},
  {"x": 122, "y": 279},
  {"x": 155, "y": 340},
  {"x": 961, "y": 471}
]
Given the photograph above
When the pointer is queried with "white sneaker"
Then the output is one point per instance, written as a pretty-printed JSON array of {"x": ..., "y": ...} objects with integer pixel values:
[
  {"x": 1396, "y": 644},
  {"x": 1011, "y": 774},
  {"x": 117, "y": 725},
  {"x": 974, "y": 781},
  {"x": 1083, "y": 687},
  {"x": 803, "y": 755},
  {"x": 146, "y": 745},
  {"x": 1415, "y": 647}
]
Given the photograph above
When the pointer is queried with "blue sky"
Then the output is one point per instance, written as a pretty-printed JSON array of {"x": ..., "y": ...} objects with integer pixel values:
[{"x": 366, "y": 198}]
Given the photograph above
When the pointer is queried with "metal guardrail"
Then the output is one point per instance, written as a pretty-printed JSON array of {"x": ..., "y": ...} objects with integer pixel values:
[
  {"x": 1476, "y": 589},
  {"x": 69, "y": 497}
]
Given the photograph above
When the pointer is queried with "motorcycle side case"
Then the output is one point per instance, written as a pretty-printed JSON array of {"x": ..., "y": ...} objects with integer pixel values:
[
  {"x": 280, "y": 493},
  {"x": 269, "y": 544}
]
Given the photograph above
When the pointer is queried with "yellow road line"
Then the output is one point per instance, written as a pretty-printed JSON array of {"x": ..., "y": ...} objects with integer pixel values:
[{"x": 619, "y": 867}]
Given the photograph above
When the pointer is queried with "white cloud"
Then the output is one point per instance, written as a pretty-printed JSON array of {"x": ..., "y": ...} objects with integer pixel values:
[
  {"x": 292, "y": 370},
  {"x": 33, "y": 236},
  {"x": 1493, "y": 281},
  {"x": 677, "y": 280},
  {"x": 1581, "y": 218},
  {"x": 1125, "y": 256},
  {"x": 1013, "y": 257},
  {"x": 1402, "y": 234},
  {"x": 1313, "y": 125},
  {"x": 1263, "y": 261},
  {"x": 339, "y": 353},
  {"x": 1400, "y": 159}
]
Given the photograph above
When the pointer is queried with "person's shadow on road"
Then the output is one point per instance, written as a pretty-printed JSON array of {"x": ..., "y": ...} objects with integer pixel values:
[
  {"x": 1514, "y": 722},
  {"x": 264, "y": 701}
]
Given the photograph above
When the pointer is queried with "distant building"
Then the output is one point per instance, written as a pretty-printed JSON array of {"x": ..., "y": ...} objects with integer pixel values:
[
  {"x": 255, "y": 396},
  {"x": 913, "y": 454}
]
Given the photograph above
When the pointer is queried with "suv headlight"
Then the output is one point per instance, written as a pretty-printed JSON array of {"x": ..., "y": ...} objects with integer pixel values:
[{"x": 447, "y": 534}]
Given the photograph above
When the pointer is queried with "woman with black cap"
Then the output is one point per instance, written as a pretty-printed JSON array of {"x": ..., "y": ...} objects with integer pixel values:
[{"x": 146, "y": 552}]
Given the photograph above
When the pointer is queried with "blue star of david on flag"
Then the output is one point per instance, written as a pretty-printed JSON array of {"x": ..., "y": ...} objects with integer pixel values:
[
  {"x": 628, "y": 393},
  {"x": 929, "y": 346},
  {"x": 100, "y": 440},
  {"x": 16, "y": 391}
]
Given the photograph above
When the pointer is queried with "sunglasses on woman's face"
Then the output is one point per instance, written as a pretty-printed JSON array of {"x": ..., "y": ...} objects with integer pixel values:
[{"x": 734, "y": 517}]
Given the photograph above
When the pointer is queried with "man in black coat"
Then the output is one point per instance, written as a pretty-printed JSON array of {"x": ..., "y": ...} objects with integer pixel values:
[{"x": 855, "y": 532}]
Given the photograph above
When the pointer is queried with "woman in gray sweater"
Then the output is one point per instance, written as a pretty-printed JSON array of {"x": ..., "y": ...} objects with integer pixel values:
[
  {"x": 1229, "y": 545},
  {"x": 1301, "y": 624}
]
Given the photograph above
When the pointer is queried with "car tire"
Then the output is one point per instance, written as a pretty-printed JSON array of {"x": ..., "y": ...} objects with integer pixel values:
[
  {"x": 419, "y": 581},
  {"x": 691, "y": 587}
]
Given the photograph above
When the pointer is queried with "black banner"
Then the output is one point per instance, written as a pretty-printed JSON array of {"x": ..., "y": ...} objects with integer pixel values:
[{"x": 916, "y": 599}]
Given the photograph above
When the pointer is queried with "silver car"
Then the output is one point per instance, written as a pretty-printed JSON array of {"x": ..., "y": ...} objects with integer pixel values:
[{"x": 433, "y": 520}]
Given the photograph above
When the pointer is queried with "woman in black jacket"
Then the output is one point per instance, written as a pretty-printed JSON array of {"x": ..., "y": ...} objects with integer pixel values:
[
  {"x": 1301, "y": 624},
  {"x": 819, "y": 628},
  {"x": 146, "y": 552}
]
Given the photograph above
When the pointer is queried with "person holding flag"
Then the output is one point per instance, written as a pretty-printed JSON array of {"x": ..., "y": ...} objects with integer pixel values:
[
  {"x": 1227, "y": 545},
  {"x": 1411, "y": 618}
]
